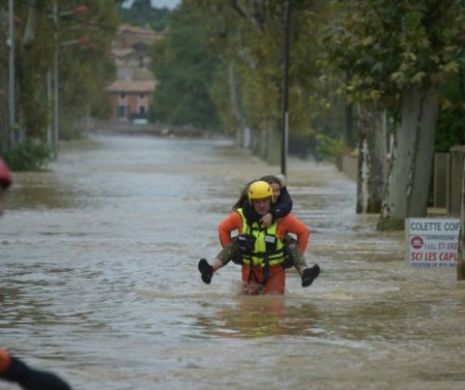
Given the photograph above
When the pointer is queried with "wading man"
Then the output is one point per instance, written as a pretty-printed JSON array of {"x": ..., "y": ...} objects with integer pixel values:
[{"x": 262, "y": 249}]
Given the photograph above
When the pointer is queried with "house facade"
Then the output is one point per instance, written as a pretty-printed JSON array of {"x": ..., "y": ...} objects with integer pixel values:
[
  {"x": 130, "y": 100},
  {"x": 130, "y": 95}
]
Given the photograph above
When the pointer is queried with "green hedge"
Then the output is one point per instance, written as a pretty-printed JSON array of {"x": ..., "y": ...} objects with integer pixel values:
[{"x": 28, "y": 156}]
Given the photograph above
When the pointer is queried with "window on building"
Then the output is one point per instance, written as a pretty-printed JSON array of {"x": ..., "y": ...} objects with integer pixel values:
[
  {"x": 141, "y": 110},
  {"x": 142, "y": 95},
  {"x": 121, "y": 111},
  {"x": 122, "y": 95}
]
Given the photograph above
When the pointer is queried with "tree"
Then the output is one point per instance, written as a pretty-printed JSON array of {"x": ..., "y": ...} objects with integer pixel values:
[
  {"x": 399, "y": 54},
  {"x": 85, "y": 64},
  {"x": 141, "y": 13},
  {"x": 250, "y": 36},
  {"x": 371, "y": 159},
  {"x": 450, "y": 127},
  {"x": 82, "y": 76},
  {"x": 184, "y": 65}
]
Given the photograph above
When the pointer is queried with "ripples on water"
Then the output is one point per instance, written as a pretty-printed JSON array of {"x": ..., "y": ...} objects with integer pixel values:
[{"x": 99, "y": 280}]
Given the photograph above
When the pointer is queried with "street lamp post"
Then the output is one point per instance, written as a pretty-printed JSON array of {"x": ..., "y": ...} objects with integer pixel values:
[
  {"x": 79, "y": 10},
  {"x": 285, "y": 128},
  {"x": 11, "y": 73},
  {"x": 55, "y": 85}
]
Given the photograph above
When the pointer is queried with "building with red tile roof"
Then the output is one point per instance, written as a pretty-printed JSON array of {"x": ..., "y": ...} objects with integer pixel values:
[{"x": 131, "y": 93}]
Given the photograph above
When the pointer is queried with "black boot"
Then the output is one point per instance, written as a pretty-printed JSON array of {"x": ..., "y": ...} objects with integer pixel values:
[
  {"x": 309, "y": 275},
  {"x": 206, "y": 270}
]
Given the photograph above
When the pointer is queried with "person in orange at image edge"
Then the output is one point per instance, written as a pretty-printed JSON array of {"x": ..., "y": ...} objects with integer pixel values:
[
  {"x": 13, "y": 369},
  {"x": 262, "y": 248},
  {"x": 5, "y": 182}
]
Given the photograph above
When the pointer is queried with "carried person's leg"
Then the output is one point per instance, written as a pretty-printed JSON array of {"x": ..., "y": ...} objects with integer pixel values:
[
  {"x": 227, "y": 253},
  {"x": 308, "y": 274}
]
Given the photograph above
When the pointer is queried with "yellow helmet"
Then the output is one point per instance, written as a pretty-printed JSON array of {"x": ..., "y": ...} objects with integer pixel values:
[{"x": 259, "y": 190}]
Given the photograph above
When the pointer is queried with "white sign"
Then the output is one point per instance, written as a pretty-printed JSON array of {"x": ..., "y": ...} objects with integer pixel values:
[{"x": 432, "y": 242}]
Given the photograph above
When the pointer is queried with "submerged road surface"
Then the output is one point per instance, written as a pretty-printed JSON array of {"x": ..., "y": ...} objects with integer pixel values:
[{"x": 99, "y": 280}]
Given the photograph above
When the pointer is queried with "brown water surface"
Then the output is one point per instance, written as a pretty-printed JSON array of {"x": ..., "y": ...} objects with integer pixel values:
[{"x": 99, "y": 281}]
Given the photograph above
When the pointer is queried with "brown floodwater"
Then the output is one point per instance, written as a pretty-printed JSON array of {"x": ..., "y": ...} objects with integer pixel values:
[{"x": 99, "y": 255}]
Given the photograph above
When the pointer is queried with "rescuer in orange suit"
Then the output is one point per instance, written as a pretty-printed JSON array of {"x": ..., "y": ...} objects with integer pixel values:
[
  {"x": 13, "y": 369},
  {"x": 262, "y": 248}
]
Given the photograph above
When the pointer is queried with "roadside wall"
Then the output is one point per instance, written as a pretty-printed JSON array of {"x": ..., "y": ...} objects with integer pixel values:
[
  {"x": 149, "y": 128},
  {"x": 448, "y": 170},
  {"x": 350, "y": 164}
]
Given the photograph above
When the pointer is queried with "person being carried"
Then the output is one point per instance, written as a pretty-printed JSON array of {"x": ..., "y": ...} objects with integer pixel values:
[
  {"x": 13, "y": 369},
  {"x": 262, "y": 249},
  {"x": 281, "y": 206}
]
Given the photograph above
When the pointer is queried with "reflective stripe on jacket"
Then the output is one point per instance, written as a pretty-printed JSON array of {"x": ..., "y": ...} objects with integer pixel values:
[{"x": 268, "y": 248}]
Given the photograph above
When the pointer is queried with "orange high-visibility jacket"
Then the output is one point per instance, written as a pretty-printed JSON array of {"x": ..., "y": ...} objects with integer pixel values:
[{"x": 286, "y": 224}]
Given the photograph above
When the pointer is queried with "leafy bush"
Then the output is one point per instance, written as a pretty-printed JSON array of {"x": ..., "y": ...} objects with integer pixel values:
[
  {"x": 452, "y": 111},
  {"x": 30, "y": 155},
  {"x": 330, "y": 149}
]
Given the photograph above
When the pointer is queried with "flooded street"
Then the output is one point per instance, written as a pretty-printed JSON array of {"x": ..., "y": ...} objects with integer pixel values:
[{"x": 100, "y": 284}]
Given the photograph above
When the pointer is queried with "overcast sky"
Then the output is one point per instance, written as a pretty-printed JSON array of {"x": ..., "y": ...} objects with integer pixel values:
[
  {"x": 159, "y": 3},
  {"x": 165, "y": 3}
]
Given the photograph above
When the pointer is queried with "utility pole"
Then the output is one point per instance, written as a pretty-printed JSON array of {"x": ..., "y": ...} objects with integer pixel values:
[
  {"x": 285, "y": 129},
  {"x": 350, "y": 138},
  {"x": 461, "y": 252},
  {"x": 55, "y": 85},
  {"x": 11, "y": 73},
  {"x": 49, "y": 106},
  {"x": 79, "y": 10}
]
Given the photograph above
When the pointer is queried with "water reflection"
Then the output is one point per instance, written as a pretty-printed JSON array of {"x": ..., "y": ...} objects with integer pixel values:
[
  {"x": 45, "y": 190},
  {"x": 260, "y": 316}
]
